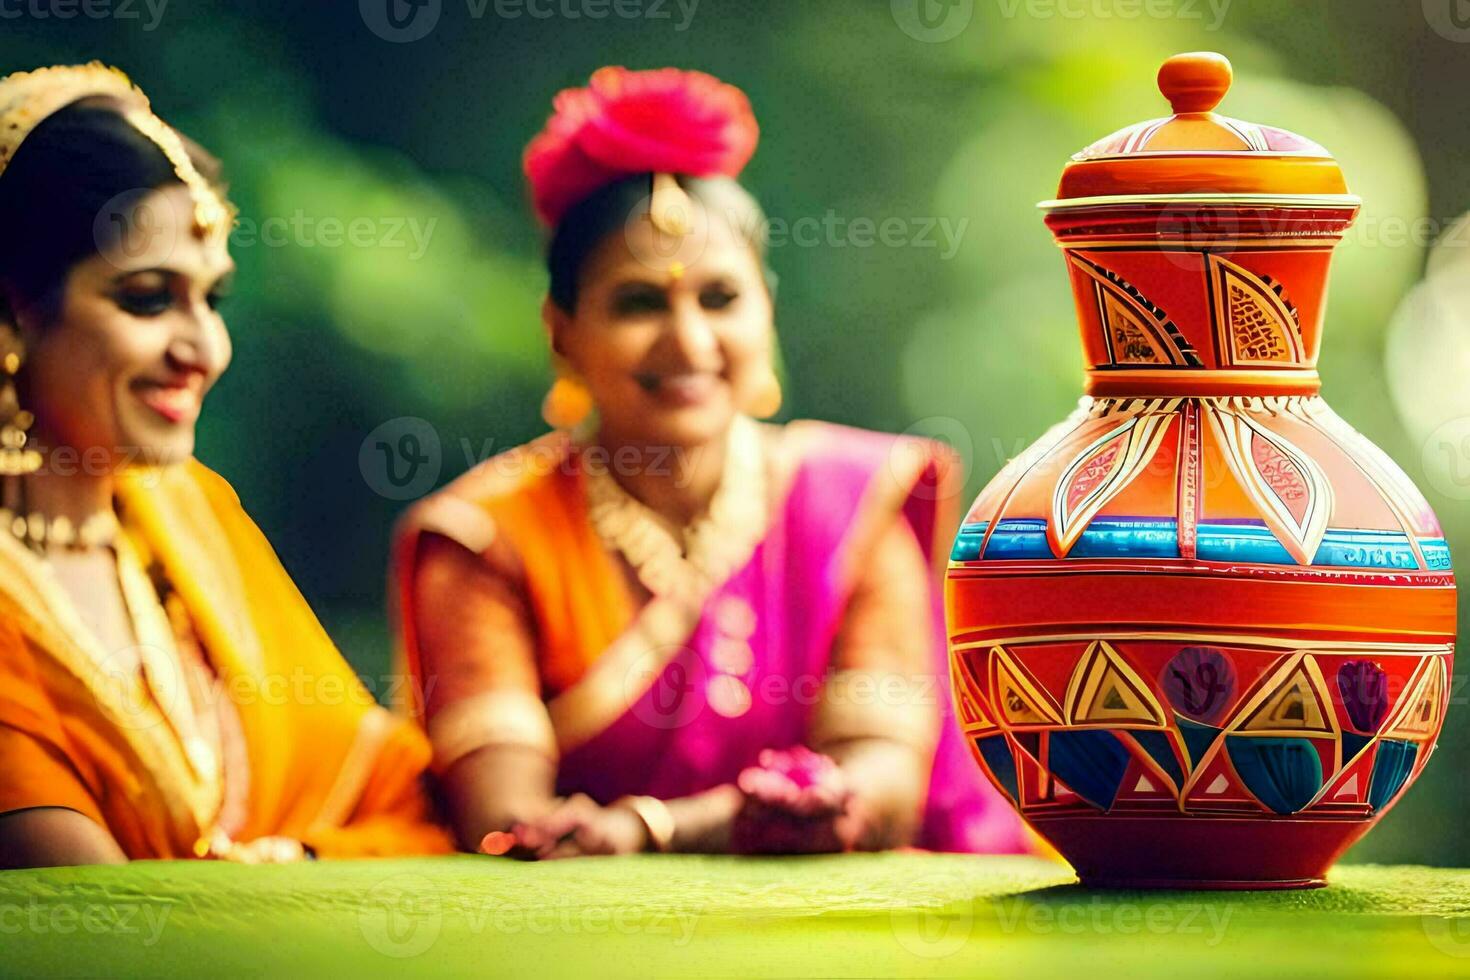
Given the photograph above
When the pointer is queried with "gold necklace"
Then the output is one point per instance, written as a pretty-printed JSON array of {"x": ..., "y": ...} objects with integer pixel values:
[
  {"x": 688, "y": 562},
  {"x": 162, "y": 661},
  {"x": 35, "y": 530},
  {"x": 162, "y": 672}
]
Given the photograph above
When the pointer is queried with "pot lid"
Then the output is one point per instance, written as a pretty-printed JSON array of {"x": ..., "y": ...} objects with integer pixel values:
[{"x": 1198, "y": 154}]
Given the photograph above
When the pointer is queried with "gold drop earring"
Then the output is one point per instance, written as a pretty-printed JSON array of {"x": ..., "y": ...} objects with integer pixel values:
[
  {"x": 15, "y": 458},
  {"x": 568, "y": 402},
  {"x": 767, "y": 397}
]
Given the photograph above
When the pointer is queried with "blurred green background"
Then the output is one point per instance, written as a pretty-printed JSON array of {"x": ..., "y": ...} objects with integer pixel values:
[{"x": 956, "y": 124}]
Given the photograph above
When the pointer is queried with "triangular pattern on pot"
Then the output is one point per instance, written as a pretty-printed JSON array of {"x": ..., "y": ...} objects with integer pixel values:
[
  {"x": 1217, "y": 786},
  {"x": 1418, "y": 715},
  {"x": 1019, "y": 699},
  {"x": 1293, "y": 701},
  {"x": 1137, "y": 331},
  {"x": 1255, "y": 323},
  {"x": 1106, "y": 691},
  {"x": 969, "y": 705}
]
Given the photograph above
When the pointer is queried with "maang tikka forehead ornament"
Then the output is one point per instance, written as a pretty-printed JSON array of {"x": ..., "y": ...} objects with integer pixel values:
[{"x": 27, "y": 98}]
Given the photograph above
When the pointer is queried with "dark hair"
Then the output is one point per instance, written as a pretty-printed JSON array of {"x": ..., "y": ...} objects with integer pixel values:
[
  {"x": 65, "y": 172},
  {"x": 591, "y": 220}
]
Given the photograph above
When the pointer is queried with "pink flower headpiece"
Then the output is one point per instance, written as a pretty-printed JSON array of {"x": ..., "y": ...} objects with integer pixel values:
[{"x": 625, "y": 122}]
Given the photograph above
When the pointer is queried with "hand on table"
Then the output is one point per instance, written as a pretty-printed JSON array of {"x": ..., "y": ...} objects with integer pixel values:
[
  {"x": 262, "y": 850},
  {"x": 796, "y": 802},
  {"x": 577, "y": 827}
]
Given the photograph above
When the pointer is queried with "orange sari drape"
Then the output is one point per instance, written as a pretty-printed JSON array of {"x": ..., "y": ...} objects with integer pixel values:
[{"x": 78, "y": 729}]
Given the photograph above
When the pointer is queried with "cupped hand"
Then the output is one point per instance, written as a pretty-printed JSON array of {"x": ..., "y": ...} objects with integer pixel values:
[
  {"x": 796, "y": 802},
  {"x": 576, "y": 827}
]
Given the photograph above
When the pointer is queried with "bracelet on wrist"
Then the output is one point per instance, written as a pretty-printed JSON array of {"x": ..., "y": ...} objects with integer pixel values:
[{"x": 656, "y": 819}]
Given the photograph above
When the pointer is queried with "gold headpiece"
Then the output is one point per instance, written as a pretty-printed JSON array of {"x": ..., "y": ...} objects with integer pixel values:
[
  {"x": 669, "y": 207},
  {"x": 28, "y": 97}
]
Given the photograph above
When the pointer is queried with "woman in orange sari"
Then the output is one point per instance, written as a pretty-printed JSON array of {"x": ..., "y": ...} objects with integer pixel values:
[
  {"x": 668, "y": 626},
  {"x": 164, "y": 690}
]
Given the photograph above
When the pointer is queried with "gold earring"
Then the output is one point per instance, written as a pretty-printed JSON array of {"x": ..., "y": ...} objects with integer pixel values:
[
  {"x": 15, "y": 458},
  {"x": 568, "y": 402},
  {"x": 767, "y": 399}
]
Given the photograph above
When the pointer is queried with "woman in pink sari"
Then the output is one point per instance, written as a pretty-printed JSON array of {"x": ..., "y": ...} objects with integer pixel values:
[{"x": 665, "y": 625}]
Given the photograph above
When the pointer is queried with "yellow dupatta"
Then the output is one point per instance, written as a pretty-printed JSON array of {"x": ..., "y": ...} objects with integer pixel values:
[{"x": 326, "y": 764}]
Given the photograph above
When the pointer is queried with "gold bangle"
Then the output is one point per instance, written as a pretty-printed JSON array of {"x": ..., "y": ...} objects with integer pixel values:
[
  {"x": 505, "y": 717},
  {"x": 656, "y": 818}
]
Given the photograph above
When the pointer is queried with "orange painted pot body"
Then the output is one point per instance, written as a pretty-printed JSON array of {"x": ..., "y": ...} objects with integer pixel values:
[{"x": 1202, "y": 631}]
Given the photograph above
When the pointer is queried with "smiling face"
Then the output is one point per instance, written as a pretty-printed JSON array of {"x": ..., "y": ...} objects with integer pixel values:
[
  {"x": 136, "y": 341},
  {"x": 671, "y": 338}
]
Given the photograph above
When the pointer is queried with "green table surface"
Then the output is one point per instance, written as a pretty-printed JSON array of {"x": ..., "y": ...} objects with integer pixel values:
[{"x": 898, "y": 914}]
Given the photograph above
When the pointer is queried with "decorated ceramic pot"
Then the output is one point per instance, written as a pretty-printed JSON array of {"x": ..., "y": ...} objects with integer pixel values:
[{"x": 1201, "y": 632}]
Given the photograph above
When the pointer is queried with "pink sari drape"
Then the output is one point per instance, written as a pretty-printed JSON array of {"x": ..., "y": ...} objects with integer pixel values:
[{"x": 672, "y": 741}]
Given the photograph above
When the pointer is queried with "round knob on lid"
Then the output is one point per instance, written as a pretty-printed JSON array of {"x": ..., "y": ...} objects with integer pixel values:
[{"x": 1196, "y": 81}]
